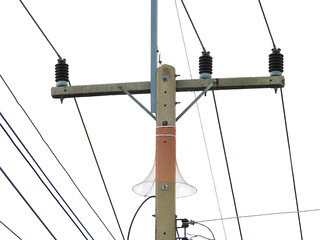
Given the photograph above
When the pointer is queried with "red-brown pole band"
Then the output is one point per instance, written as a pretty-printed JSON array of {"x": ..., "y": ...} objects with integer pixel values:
[{"x": 166, "y": 154}]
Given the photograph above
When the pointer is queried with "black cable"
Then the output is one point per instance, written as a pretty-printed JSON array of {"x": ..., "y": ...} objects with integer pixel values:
[
  {"x": 98, "y": 166},
  {"x": 195, "y": 30},
  {"x": 40, "y": 29},
  {"x": 198, "y": 235},
  {"x": 26, "y": 201},
  {"x": 193, "y": 222},
  {"x": 10, "y": 230},
  {"x": 188, "y": 63},
  {"x": 136, "y": 214},
  {"x": 227, "y": 165},
  {"x": 44, "y": 173},
  {"x": 291, "y": 164},
  {"x": 183, "y": 39},
  {"x": 41, "y": 179},
  {"x": 265, "y": 19},
  {"x": 178, "y": 233},
  {"x": 54, "y": 155}
]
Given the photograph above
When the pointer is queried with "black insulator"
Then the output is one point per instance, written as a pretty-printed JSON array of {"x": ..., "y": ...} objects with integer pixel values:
[
  {"x": 185, "y": 223},
  {"x": 205, "y": 63},
  {"x": 62, "y": 71},
  {"x": 276, "y": 61}
]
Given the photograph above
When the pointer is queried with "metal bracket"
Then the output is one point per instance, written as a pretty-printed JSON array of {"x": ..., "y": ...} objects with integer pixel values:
[
  {"x": 191, "y": 104},
  {"x": 136, "y": 100}
]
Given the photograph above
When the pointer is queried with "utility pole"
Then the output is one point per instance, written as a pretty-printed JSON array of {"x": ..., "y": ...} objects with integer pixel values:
[
  {"x": 165, "y": 117},
  {"x": 166, "y": 154},
  {"x": 162, "y": 88}
]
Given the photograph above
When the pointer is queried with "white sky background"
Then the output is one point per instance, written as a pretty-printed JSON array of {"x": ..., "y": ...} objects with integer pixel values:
[{"x": 109, "y": 41}]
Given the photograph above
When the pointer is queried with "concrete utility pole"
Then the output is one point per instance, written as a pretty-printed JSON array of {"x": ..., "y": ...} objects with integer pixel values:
[
  {"x": 166, "y": 154},
  {"x": 162, "y": 88},
  {"x": 165, "y": 117}
]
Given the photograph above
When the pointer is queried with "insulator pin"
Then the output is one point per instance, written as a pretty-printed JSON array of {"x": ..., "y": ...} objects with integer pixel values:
[
  {"x": 276, "y": 63},
  {"x": 62, "y": 73},
  {"x": 205, "y": 65}
]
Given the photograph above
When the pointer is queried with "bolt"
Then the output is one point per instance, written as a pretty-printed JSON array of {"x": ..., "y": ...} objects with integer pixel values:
[
  {"x": 165, "y": 78},
  {"x": 165, "y": 187}
]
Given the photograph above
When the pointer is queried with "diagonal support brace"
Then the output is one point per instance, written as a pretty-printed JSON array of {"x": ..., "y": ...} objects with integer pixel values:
[
  {"x": 136, "y": 100},
  {"x": 194, "y": 101}
]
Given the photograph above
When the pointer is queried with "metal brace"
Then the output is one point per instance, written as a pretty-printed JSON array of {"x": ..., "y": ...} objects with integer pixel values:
[
  {"x": 203, "y": 92},
  {"x": 136, "y": 100}
]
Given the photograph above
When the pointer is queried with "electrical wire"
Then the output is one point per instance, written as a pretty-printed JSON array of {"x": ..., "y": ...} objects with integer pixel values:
[
  {"x": 42, "y": 180},
  {"x": 291, "y": 164},
  {"x": 227, "y": 165},
  {"x": 82, "y": 123},
  {"x": 98, "y": 166},
  {"x": 10, "y": 230},
  {"x": 205, "y": 227},
  {"x": 265, "y": 19},
  {"x": 183, "y": 40},
  {"x": 178, "y": 233},
  {"x": 136, "y": 215},
  {"x": 198, "y": 235},
  {"x": 203, "y": 134},
  {"x": 195, "y": 30},
  {"x": 17, "y": 190},
  {"x": 40, "y": 29},
  {"x": 81, "y": 120},
  {"x": 44, "y": 174},
  {"x": 55, "y": 156},
  {"x": 259, "y": 215}
]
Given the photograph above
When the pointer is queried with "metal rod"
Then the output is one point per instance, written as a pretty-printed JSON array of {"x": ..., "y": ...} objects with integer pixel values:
[
  {"x": 203, "y": 92},
  {"x": 136, "y": 100},
  {"x": 154, "y": 50}
]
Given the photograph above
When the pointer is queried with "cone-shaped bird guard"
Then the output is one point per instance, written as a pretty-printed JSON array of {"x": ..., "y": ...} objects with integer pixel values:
[{"x": 148, "y": 186}]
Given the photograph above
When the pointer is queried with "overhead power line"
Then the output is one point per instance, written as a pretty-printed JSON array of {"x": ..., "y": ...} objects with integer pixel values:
[
  {"x": 267, "y": 24},
  {"x": 291, "y": 164},
  {"x": 40, "y": 29},
  {"x": 81, "y": 121},
  {"x": 44, "y": 173},
  {"x": 17, "y": 190},
  {"x": 227, "y": 165},
  {"x": 10, "y": 230},
  {"x": 203, "y": 134},
  {"x": 194, "y": 27},
  {"x": 98, "y": 166},
  {"x": 55, "y": 156},
  {"x": 260, "y": 215},
  {"x": 30, "y": 165},
  {"x": 105, "y": 186}
]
